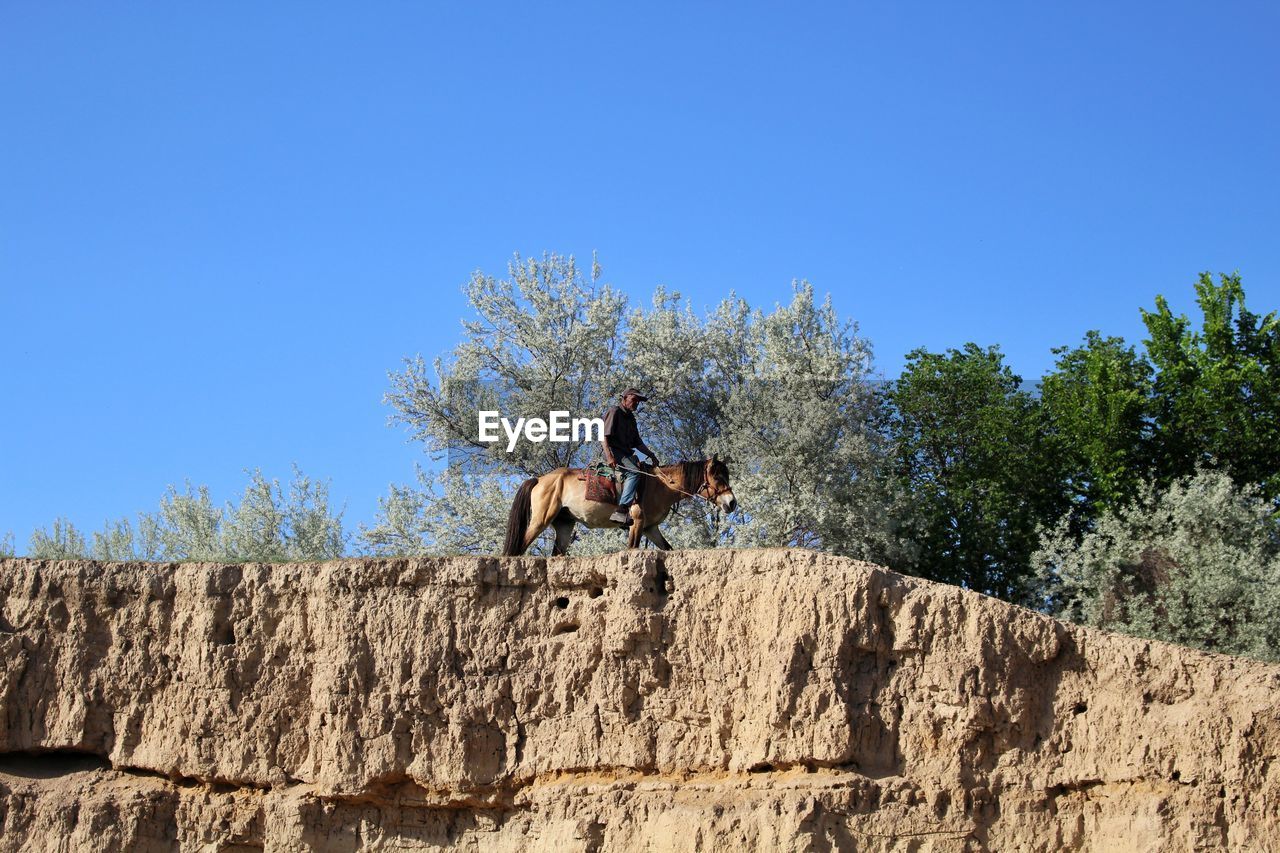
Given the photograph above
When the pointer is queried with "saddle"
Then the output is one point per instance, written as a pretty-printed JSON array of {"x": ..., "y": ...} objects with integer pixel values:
[{"x": 604, "y": 483}]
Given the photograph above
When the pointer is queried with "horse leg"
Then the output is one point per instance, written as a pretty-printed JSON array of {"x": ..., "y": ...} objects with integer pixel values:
[
  {"x": 564, "y": 533},
  {"x": 544, "y": 506},
  {"x": 654, "y": 535},
  {"x": 637, "y": 524}
]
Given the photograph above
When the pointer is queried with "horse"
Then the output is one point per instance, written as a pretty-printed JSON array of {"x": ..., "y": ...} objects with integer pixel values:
[{"x": 559, "y": 499}]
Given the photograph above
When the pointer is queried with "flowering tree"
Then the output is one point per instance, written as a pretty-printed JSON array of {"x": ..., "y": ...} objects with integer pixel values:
[{"x": 785, "y": 395}]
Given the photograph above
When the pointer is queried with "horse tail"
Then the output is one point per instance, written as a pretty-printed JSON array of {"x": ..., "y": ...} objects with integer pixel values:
[{"x": 518, "y": 520}]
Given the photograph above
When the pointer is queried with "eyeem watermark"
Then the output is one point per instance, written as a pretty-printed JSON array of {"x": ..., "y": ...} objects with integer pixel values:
[{"x": 559, "y": 427}]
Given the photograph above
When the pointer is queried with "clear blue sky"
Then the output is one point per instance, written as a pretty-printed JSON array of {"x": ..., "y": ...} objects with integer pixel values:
[{"x": 222, "y": 224}]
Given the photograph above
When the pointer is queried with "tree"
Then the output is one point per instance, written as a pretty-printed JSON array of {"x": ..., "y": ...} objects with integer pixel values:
[
  {"x": 116, "y": 541},
  {"x": 1217, "y": 390},
  {"x": 61, "y": 542},
  {"x": 270, "y": 525},
  {"x": 189, "y": 527},
  {"x": 544, "y": 340},
  {"x": 786, "y": 395},
  {"x": 1196, "y": 563},
  {"x": 799, "y": 414},
  {"x": 1096, "y": 403},
  {"x": 447, "y": 514},
  {"x": 982, "y": 471},
  {"x": 267, "y": 525}
]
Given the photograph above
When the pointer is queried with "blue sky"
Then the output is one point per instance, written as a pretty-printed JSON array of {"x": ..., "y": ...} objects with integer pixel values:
[{"x": 222, "y": 224}]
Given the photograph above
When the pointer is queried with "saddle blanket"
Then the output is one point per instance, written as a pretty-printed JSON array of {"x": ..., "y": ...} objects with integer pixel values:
[{"x": 600, "y": 487}]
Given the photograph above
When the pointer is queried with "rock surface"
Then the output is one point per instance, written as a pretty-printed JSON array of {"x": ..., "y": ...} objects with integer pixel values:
[{"x": 776, "y": 699}]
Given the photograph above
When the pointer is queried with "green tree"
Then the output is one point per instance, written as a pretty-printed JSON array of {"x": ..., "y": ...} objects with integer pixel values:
[
  {"x": 1217, "y": 390},
  {"x": 973, "y": 453},
  {"x": 1096, "y": 402},
  {"x": 1196, "y": 563}
]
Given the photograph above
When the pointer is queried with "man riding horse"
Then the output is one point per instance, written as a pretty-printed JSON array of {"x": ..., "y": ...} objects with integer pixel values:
[
  {"x": 558, "y": 499},
  {"x": 620, "y": 443}
]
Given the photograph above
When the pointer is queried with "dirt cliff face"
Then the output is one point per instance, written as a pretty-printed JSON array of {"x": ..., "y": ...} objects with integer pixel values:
[{"x": 703, "y": 700}]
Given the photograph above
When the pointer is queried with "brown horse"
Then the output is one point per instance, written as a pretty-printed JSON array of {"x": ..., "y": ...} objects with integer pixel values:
[{"x": 559, "y": 499}]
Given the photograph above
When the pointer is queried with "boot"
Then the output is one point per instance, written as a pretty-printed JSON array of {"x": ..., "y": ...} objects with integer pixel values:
[{"x": 620, "y": 514}]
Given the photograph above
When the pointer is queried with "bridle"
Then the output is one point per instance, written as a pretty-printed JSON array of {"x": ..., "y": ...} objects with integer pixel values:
[{"x": 704, "y": 491}]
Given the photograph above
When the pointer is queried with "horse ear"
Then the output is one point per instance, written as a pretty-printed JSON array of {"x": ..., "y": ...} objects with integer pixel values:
[{"x": 715, "y": 457}]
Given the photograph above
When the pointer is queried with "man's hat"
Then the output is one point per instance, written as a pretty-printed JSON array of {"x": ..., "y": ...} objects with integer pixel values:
[{"x": 631, "y": 392}]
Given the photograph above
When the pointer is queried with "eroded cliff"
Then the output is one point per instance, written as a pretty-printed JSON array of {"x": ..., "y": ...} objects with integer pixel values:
[{"x": 778, "y": 699}]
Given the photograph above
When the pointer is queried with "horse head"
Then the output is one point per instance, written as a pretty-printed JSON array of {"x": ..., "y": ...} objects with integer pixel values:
[{"x": 716, "y": 486}]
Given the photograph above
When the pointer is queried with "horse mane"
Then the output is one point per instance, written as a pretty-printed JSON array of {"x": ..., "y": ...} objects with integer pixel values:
[{"x": 693, "y": 474}]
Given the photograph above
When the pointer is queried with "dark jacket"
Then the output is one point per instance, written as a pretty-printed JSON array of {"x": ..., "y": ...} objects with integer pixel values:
[{"x": 620, "y": 430}]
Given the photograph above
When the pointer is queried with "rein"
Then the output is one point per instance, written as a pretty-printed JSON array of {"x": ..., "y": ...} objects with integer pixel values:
[{"x": 674, "y": 488}]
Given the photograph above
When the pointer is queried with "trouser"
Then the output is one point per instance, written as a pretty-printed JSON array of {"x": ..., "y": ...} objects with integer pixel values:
[{"x": 630, "y": 466}]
